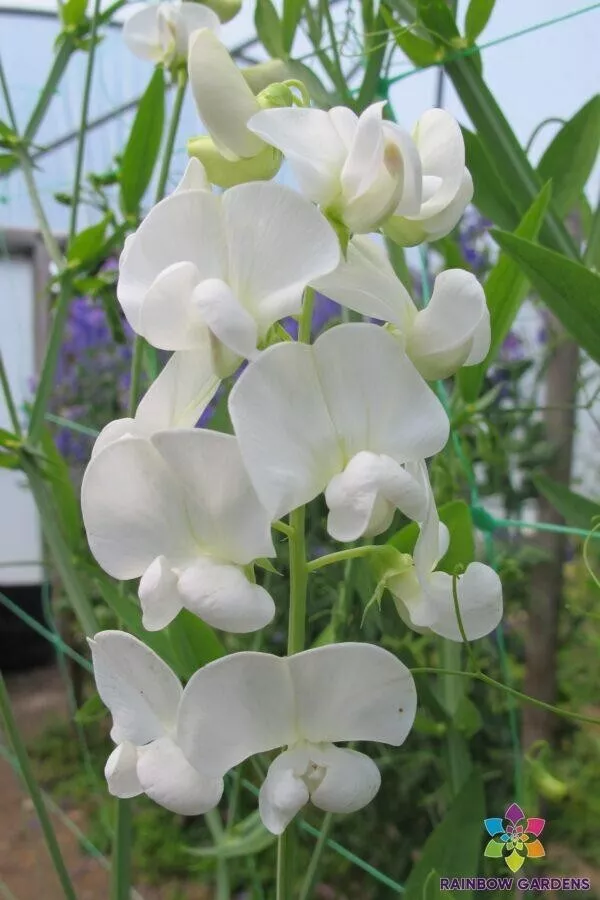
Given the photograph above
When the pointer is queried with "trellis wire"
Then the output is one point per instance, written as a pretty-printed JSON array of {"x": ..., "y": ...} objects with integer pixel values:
[{"x": 485, "y": 522}]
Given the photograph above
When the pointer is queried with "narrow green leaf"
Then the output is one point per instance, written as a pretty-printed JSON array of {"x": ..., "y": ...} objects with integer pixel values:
[
  {"x": 292, "y": 12},
  {"x": 456, "y": 515},
  {"x": 570, "y": 290},
  {"x": 376, "y": 49},
  {"x": 66, "y": 503},
  {"x": 88, "y": 244},
  {"x": 442, "y": 851},
  {"x": 490, "y": 198},
  {"x": 9, "y": 461},
  {"x": 90, "y": 711},
  {"x": 419, "y": 51},
  {"x": 505, "y": 289},
  {"x": 437, "y": 16},
  {"x": 432, "y": 890},
  {"x": 8, "y": 162},
  {"x": 477, "y": 16},
  {"x": 72, "y": 12},
  {"x": 269, "y": 28},
  {"x": 571, "y": 156},
  {"x": 143, "y": 145},
  {"x": 576, "y": 510}
]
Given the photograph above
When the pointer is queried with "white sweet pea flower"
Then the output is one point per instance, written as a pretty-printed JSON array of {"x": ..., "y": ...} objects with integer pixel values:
[
  {"x": 144, "y": 697},
  {"x": 447, "y": 184},
  {"x": 358, "y": 169},
  {"x": 251, "y": 703},
  {"x": 160, "y": 32},
  {"x": 453, "y": 330},
  {"x": 226, "y": 267},
  {"x": 341, "y": 416},
  {"x": 424, "y": 597},
  {"x": 179, "y": 511},
  {"x": 225, "y": 103}
]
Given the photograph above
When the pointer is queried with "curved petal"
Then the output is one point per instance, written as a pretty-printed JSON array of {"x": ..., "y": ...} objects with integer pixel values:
[
  {"x": 185, "y": 227},
  {"x": 140, "y": 32},
  {"x": 182, "y": 391},
  {"x": 120, "y": 772},
  {"x": 365, "y": 282},
  {"x": 114, "y": 431},
  {"x": 218, "y": 306},
  {"x": 412, "y": 603},
  {"x": 168, "y": 319},
  {"x": 365, "y": 156},
  {"x": 442, "y": 150},
  {"x": 222, "y": 596},
  {"x": 407, "y": 155},
  {"x": 441, "y": 224},
  {"x": 225, "y": 513},
  {"x": 158, "y": 595},
  {"x": 223, "y": 99},
  {"x": 283, "y": 792},
  {"x": 352, "y": 495},
  {"x": 351, "y": 780},
  {"x": 352, "y": 692},
  {"x": 375, "y": 396},
  {"x": 286, "y": 436},
  {"x": 442, "y": 335},
  {"x": 140, "y": 690},
  {"x": 482, "y": 337},
  {"x": 194, "y": 178},
  {"x": 311, "y": 144},
  {"x": 167, "y": 778},
  {"x": 278, "y": 243},
  {"x": 235, "y": 707},
  {"x": 192, "y": 17},
  {"x": 479, "y": 593},
  {"x": 132, "y": 509}
]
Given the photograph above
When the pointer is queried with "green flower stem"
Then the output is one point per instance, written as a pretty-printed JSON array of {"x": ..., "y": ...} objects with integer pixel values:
[
  {"x": 215, "y": 826},
  {"x": 313, "y": 866},
  {"x": 171, "y": 135},
  {"x": 59, "y": 66},
  {"x": 137, "y": 361},
  {"x": 8, "y": 397},
  {"x": 120, "y": 882},
  {"x": 481, "y": 676},
  {"x": 457, "y": 753},
  {"x": 35, "y": 793},
  {"x": 341, "y": 555},
  {"x": 46, "y": 382}
]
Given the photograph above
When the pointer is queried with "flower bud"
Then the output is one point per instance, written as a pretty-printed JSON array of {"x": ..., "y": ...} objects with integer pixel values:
[
  {"x": 227, "y": 173},
  {"x": 225, "y": 9},
  {"x": 545, "y": 783}
]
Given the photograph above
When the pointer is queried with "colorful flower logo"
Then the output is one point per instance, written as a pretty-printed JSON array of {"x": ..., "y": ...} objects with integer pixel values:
[{"x": 514, "y": 838}]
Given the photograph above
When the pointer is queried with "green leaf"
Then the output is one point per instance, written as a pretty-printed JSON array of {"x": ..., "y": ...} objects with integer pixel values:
[
  {"x": 438, "y": 19},
  {"x": 490, "y": 197},
  {"x": 477, "y": 16},
  {"x": 516, "y": 174},
  {"x": 245, "y": 839},
  {"x": 419, "y": 51},
  {"x": 467, "y": 718},
  {"x": 570, "y": 158},
  {"x": 72, "y": 12},
  {"x": 143, "y": 144},
  {"x": 292, "y": 12},
  {"x": 456, "y": 515},
  {"x": 443, "y": 851},
  {"x": 66, "y": 502},
  {"x": 575, "y": 509},
  {"x": 198, "y": 639},
  {"x": 8, "y": 162},
  {"x": 9, "y": 460},
  {"x": 269, "y": 28},
  {"x": 432, "y": 890},
  {"x": 88, "y": 245},
  {"x": 570, "y": 290},
  {"x": 92, "y": 710},
  {"x": 505, "y": 289}
]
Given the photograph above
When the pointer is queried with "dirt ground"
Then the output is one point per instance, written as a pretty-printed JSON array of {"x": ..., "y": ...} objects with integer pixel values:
[{"x": 26, "y": 872}]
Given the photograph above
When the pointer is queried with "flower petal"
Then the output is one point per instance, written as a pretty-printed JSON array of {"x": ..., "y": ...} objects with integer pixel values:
[
  {"x": 168, "y": 319},
  {"x": 222, "y": 596},
  {"x": 278, "y": 243},
  {"x": 194, "y": 178},
  {"x": 114, "y": 431},
  {"x": 286, "y": 436},
  {"x": 220, "y": 309},
  {"x": 368, "y": 480},
  {"x": 441, "y": 224},
  {"x": 365, "y": 155},
  {"x": 235, "y": 707},
  {"x": 158, "y": 595},
  {"x": 225, "y": 513},
  {"x": 140, "y": 32},
  {"x": 441, "y": 339},
  {"x": 132, "y": 509},
  {"x": 120, "y": 772},
  {"x": 351, "y": 780},
  {"x": 283, "y": 792},
  {"x": 167, "y": 778},
  {"x": 311, "y": 145},
  {"x": 409, "y": 201},
  {"x": 376, "y": 398},
  {"x": 365, "y": 282},
  {"x": 223, "y": 99},
  {"x": 352, "y": 692},
  {"x": 442, "y": 150},
  {"x": 140, "y": 690},
  {"x": 479, "y": 594},
  {"x": 192, "y": 17}
]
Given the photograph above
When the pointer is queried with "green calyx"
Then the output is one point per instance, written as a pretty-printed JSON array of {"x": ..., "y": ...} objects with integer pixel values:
[
  {"x": 226, "y": 173},
  {"x": 225, "y": 9}
]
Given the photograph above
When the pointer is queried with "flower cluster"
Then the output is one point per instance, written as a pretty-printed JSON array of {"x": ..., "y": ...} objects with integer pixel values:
[{"x": 211, "y": 276}]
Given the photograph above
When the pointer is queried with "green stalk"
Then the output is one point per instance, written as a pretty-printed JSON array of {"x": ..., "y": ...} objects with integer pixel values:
[
  {"x": 215, "y": 827},
  {"x": 457, "y": 754},
  {"x": 34, "y": 792},
  {"x": 171, "y": 135},
  {"x": 10, "y": 402},
  {"x": 313, "y": 866},
  {"x": 56, "y": 72},
  {"x": 341, "y": 555},
  {"x": 120, "y": 880}
]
